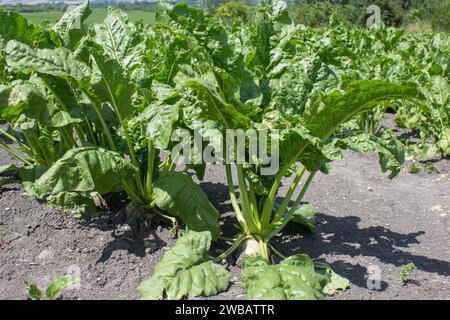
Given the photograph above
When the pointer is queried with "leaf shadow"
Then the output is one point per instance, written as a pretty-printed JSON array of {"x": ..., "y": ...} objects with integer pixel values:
[
  {"x": 343, "y": 236},
  {"x": 127, "y": 235},
  {"x": 339, "y": 236}
]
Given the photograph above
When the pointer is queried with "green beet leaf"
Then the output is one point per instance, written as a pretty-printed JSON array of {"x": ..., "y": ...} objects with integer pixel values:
[
  {"x": 120, "y": 39},
  {"x": 111, "y": 84},
  {"x": 70, "y": 27},
  {"x": 214, "y": 107},
  {"x": 178, "y": 194},
  {"x": 159, "y": 120},
  {"x": 306, "y": 217},
  {"x": 294, "y": 278},
  {"x": 33, "y": 291},
  {"x": 186, "y": 271},
  {"x": 58, "y": 285},
  {"x": 69, "y": 182},
  {"x": 14, "y": 26},
  {"x": 58, "y": 62},
  {"x": 360, "y": 96}
]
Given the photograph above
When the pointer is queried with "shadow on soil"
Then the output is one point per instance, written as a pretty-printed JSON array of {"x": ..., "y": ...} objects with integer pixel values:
[
  {"x": 342, "y": 236},
  {"x": 138, "y": 238}
]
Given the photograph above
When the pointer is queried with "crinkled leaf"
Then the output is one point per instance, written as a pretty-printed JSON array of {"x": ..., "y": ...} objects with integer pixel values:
[
  {"x": 50, "y": 101},
  {"x": 306, "y": 216},
  {"x": 7, "y": 112},
  {"x": 58, "y": 62},
  {"x": 298, "y": 144},
  {"x": 339, "y": 107},
  {"x": 79, "y": 203},
  {"x": 120, "y": 39},
  {"x": 295, "y": 278},
  {"x": 158, "y": 119},
  {"x": 169, "y": 51},
  {"x": 23, "y": 97},
  {"x": 111, "y": 84},
  {"x": 15, "y": 26},
  {"x": 178, "y": 194},
  {"x": 70, "y": 26},
  {"x": 335, "y": 283},
  {"x": 186, "y": 271},
  {"x": 424, "y": 151},
  {"x": 206, "y": 28},
  {"x": 213, "y": 106},
  {"x": 390, "y": 151},
  {"x": 414, "y": 168},
  {"x": 29, "y": 174},
  {"x": 63, "y": 118},
  {"x": 82, "y": 171}
]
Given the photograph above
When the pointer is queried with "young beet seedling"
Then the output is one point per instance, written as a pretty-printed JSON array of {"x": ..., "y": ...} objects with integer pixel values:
[{"x": 52, "y": 290}]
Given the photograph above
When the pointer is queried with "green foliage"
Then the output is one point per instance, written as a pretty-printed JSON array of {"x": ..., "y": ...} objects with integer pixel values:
[
  {"x": 440, "y": 18},
  {"x": 432, "y": 120},
  {"x": 53, "y": 289},
  {"x": 405, "y": 272},
  {"x": 92, "y": 110},
  {"x": 15, "y": 26},
  {"x": 295, "y": 278},
  {"x": 264, "y": 76},
  {"x": 180, "y": 195},
  {"x": 5, "y": 169},
  {"x": 185, "y": 270},
  {"x": 81, "y": 108},
  {"x": 233, "y": 11},
  {"x": 70, "y": 26},
  {"x": 71, "y": 180},
  {"x": 306, "y": 216},
  {"x": 318, "y": 13}
]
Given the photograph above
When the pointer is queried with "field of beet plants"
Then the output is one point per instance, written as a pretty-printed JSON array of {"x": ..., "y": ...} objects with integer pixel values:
[{"x": 192, "y": 158}]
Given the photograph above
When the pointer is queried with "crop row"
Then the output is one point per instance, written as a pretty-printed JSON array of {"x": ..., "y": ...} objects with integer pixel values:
[{"x": 92, "y": 111}]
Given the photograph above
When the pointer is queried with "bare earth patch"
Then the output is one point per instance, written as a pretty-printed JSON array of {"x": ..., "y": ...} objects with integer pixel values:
[{"x": 365, "y": 221}]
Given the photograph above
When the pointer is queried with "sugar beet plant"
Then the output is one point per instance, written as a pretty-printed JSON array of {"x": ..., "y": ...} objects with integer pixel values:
[
  {"x": 79, "y": 104},
  {"x": 265, "y": 76},
  {"x": 396, "y": 55}
]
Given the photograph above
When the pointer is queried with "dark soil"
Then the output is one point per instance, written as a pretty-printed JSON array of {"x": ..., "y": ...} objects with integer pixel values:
[{"x": 366, "y": 223}]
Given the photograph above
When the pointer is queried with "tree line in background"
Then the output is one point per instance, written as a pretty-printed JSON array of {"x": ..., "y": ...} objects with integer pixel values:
[
  {"x": 433, "y": 14},
  {"x": 412, "y": 14},
  {"x": 61, "y": 6}
]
